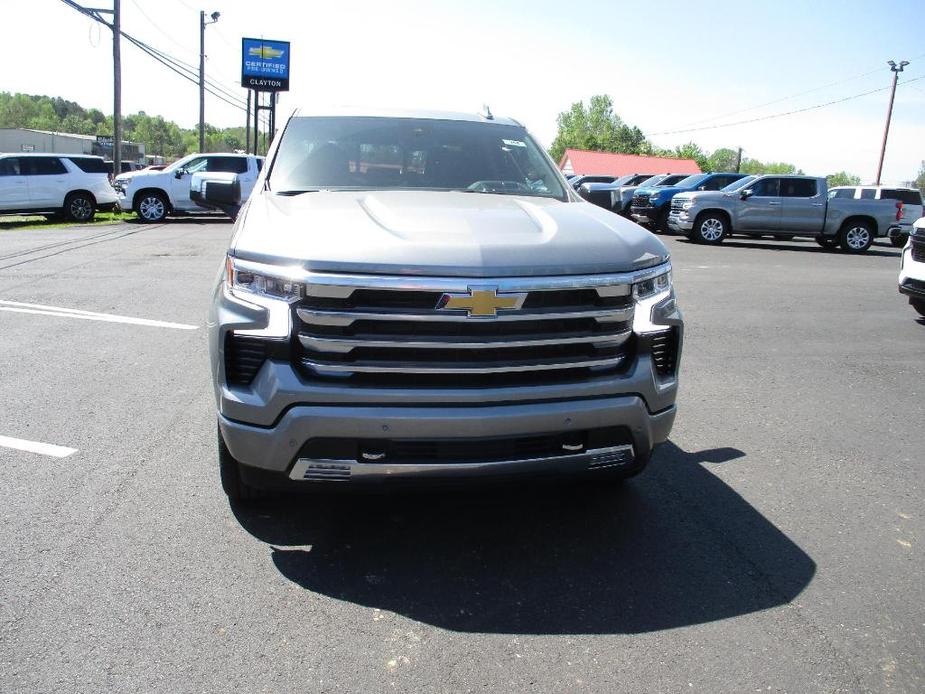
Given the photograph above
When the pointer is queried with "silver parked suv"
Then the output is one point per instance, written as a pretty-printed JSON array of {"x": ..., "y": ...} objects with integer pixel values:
[{"x": 424, "y": 296}]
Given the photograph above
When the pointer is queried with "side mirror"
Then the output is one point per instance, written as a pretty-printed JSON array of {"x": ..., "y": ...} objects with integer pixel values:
[
  {"x": 217, "y": 190},
  {"x": 703, "y": 187},
  {"x": 180, "y": 173},
  {"x": 584, "y": 192},
  {"x": 746, "y": 194}
]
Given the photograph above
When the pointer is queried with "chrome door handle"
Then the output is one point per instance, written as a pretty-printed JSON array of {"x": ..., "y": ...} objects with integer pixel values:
[
  {"x": 817, "y": 204},
  {"x": 773, "y": 202}
]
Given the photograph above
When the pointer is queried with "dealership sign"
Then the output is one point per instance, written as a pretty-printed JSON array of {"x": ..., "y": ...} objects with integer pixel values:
[{"x": 265, "y": 65}]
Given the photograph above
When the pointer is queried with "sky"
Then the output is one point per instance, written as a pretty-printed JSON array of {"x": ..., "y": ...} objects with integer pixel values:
[{"x": 668, "y": 66}]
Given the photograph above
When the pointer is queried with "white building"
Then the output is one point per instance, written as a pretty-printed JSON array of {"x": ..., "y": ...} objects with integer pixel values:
[{"x": 27, "y": 140}]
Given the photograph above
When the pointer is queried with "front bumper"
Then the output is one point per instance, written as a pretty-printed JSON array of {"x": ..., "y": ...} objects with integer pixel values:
[
  {"x": 643, "y": 215},
  {"x": 276, "y": 449},
  {"x": 680, "y": 221}
]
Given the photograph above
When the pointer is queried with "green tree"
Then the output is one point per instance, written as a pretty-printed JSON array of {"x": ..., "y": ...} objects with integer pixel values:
[
  {"x": 690, "y": 151},
  {"x": 596, "y": 127},
  {"x": 723, "y": 159},
  {"x": 842, "y": 178},
  {"x": 920, "y": 179}
]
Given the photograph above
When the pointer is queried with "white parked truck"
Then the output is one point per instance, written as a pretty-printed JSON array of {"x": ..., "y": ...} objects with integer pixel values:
[{"x": 153, "y": 195}]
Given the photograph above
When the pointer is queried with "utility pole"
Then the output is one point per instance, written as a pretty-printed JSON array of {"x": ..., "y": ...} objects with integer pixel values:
[
  {"x": 202, "y": 75},
  {"x": 896, "y": 69},
  {"x": 116, "y": 88},
  {"x": 739, "y": 160},
  {"x": 247, "y": 127}
]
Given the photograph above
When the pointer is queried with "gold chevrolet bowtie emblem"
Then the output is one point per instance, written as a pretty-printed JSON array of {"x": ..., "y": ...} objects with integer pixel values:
[{"x": 484, "y": 303}]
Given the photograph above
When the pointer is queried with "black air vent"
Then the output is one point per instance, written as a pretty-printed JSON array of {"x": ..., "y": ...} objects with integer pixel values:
[
  {"x": 243, "y": 358},
  {"x": 664, "y": 349}
]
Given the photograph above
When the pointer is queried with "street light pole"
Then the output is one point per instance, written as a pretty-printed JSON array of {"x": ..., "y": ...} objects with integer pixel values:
[
  {"x": 202, "y": 75},
  {"x": 896, "y": 69}
]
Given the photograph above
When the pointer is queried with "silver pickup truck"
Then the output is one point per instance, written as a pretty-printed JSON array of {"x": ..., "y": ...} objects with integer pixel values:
[
  {"x": 788, "y": 206},
  {"x": 422, "y": 295}
]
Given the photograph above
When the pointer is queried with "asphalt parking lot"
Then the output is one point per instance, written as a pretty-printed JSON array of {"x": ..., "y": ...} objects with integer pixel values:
[{"x": 775, "y": 544}]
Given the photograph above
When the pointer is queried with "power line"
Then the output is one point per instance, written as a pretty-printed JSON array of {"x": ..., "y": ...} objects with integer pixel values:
[
  {"x": 791, "y": 96},
  {"x": 781, "y": 115},
  {"x": 181, "y": 68}
]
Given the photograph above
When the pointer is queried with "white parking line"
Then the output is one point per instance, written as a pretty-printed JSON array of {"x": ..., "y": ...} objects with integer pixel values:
[
  {"x": 36, "y": 447},
  {"x": 42, "y": 310}
]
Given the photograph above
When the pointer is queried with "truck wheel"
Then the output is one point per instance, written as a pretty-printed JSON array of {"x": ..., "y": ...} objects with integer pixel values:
[
  {"x": 855, "y": 237},
  {"x": 152, "y": 207},
  {"x": 230, "y": 474},
  {"x": 899, "y": 241},
  {"x": 710, "y": 228},
  {"x": 79, "y": 207},
  {"x": 919, "y": 305},
  {"x": 827, "y": 242},
  {"x": 661, "y": 222}
]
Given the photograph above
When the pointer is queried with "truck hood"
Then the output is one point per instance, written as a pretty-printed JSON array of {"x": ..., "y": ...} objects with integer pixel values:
[
  {"x": 699, "y": 194},
  {"x": 440, "y": 233}
]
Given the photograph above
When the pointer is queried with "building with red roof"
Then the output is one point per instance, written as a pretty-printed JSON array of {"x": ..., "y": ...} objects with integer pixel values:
[{"x": 585, "y": 163}]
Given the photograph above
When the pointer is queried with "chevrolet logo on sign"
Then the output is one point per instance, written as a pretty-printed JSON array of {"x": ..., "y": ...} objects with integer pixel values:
[{"x": 481, "y": 303}]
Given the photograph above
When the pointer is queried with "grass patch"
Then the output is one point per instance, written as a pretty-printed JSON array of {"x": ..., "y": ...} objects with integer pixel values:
[{"x": 40, "y": 222}]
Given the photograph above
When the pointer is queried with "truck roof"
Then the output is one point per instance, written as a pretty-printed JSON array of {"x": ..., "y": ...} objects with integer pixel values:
[{"x": 361, "y": 112}]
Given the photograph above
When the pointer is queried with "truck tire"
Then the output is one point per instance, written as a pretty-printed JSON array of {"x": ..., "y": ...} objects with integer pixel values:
[
  {"x": 855, "y": 237},
  {"x": 919, "y": 305},
  {"x": 710, "y": 228},
  {"x": 827, "y": 242},
  {"x": 230, "y": 474},
  {"x": 79, "y": 207},
  {"x": 151, "y": 207},
  {"x": 661, "y": 222},
  {"x": 899, "y": 241}
]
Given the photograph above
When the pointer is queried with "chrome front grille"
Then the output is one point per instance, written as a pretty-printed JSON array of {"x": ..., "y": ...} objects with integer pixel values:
[
  {"x": 640, "y": 201},
  {"x": 677, "y": 205},
  {"x": 380, "y": 327}
]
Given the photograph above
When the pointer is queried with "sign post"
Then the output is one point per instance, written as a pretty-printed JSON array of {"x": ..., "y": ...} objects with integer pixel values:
[{"x": 264, "y": 68}]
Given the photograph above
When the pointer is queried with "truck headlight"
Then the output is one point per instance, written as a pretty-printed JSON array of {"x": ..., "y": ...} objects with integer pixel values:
[
  {"x": 246, "y": 280},
  {"x": 653, "y": 286},
  {"x": 687, "y": 204}
]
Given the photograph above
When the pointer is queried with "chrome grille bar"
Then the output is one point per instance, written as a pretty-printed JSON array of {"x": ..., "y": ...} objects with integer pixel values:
[
  {"x": 338, "y": 344},
  {"x": 328, "y": 317},
  {"x": 324, "y": 368}
]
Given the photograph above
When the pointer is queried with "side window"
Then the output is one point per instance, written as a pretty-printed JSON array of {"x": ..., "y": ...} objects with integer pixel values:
[
  {"x": 196, "y": 165},
  {"x": 90, "y": 164},
  {"x": 237, "y": 165},
  {"x": 908, "y": 197},
  {"x": 767, "y": 188},
  {"x": 44, "y": 166},
  {"x": 716, "y": 183},
  {"x": 844, "y": 193},
  {"x": 868, "y": 193},
  {"x": 259, "y": 164},
  {"x": 798, "y": 188},
  {"x": 9, "y": 166}
]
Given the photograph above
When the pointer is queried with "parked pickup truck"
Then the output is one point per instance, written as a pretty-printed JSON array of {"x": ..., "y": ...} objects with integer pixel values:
[
  {"x": 423, "y": 296},
  {"x": 912, "y": 268},
  {"x": 911, "y": 200},
  {"x": 607, "y": 195},
  {"x": 650, "y": 206},
  {"x": 787, "y": 206},
  {"x": 153, "y": 195},
  {"x": 623, "y": 197}
]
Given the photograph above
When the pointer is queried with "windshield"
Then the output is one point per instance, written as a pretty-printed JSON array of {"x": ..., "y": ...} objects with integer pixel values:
[
  {"x": 179, "y": 162},
  {"x": 653, "y": 181},
  {"x": 737, "y": 185},
  {"x": 691, "y": 181},
  {"x": 347, "y": 153},
  {"x": 674, "y": 179}
]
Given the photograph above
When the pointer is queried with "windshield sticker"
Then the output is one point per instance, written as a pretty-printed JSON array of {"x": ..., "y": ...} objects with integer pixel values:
[{"x": 514, "y": 143}]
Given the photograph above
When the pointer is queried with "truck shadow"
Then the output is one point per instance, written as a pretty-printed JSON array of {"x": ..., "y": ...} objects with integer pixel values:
[
  {"x": 674, "y": 547},
  {"x": 876, "y": 250}
]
